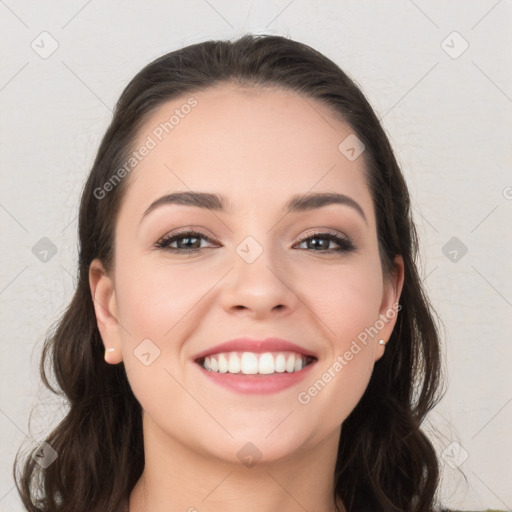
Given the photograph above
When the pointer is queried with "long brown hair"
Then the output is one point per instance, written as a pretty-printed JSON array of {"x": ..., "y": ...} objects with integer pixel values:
[{"x": 385, "y": 462}]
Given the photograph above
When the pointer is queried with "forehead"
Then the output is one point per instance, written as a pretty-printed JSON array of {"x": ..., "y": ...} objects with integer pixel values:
[{"x": 248, "y": 143}]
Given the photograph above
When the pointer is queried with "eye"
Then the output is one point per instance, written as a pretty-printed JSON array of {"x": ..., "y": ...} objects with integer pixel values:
[
  {"x": 320, "y": 242},
  {"x": 187, "y": 242}
]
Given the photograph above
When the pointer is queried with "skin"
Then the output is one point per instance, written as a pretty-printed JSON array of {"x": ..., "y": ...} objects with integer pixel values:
[{"x": 258, "y": 147}]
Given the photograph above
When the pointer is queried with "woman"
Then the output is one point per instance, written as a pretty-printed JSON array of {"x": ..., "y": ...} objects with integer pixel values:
[{"x": 249, "y": 330}]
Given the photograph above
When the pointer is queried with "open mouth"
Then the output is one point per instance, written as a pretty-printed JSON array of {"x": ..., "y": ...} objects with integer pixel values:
[{"x": 253, "y": 363}]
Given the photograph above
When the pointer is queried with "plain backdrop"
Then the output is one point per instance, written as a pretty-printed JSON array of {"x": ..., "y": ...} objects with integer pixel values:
[{"x": 439, "y": 75}]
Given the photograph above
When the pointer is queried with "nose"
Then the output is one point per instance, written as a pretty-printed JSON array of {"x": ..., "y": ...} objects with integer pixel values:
[{"x": 259, "y": 288}]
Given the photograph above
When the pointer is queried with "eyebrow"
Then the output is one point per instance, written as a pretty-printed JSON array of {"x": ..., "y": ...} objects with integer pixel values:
[{"x": 217, "y": 202}]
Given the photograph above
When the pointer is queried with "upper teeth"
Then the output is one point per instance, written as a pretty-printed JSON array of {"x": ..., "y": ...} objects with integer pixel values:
[{"x": 253, "y": 363}]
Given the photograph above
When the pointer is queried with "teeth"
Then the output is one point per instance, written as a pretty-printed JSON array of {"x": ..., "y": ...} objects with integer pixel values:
[
  {"x": 234, "y": 363},
  {"x": 250, "y": 363},
  {"x": 280, "y": 363},
  {"x": 223, "y": 363},
  {"x": 266, "y": 366}
]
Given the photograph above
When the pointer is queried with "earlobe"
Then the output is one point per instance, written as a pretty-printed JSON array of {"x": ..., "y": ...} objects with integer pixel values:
[{"x": 105, "y": 308}]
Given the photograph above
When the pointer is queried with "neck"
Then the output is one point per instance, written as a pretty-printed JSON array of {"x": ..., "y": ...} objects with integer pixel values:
[{"x": 176, "y": 478}]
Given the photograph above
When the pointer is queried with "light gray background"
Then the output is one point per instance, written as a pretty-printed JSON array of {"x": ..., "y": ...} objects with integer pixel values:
[{"x": 447, "y": 112}]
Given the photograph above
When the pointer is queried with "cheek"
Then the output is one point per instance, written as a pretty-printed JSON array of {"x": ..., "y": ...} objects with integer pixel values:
[
  {"x": 335, "y": 390},
  {"x": 347, "y": 301},
  {"x": 346, "y": 298},
  {"x": 337, "y": 384},
  {"x": 154, "y": 295},
  {"x": 157, "y": 301}
]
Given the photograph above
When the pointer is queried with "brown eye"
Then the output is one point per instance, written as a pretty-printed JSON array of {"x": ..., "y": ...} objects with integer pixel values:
[
  {"x": 320, "y": 242},
  {"x": 186, "y": 242}
]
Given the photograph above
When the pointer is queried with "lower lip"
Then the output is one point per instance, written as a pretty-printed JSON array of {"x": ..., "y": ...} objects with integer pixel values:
[{"x": 257, "y": 384}]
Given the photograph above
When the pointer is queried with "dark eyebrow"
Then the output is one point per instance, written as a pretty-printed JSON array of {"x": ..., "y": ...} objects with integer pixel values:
[
  {"x": 312, "y": 200},
  {"x": 216, "y": 202},
  {"x": 205, "y": 200}
]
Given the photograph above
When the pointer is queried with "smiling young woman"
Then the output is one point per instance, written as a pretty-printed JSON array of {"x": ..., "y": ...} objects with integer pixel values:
[{"x": 249, "y": 331}]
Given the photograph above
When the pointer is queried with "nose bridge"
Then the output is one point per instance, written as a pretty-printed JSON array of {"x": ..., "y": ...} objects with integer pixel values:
[{"x": 258, "y": 279}]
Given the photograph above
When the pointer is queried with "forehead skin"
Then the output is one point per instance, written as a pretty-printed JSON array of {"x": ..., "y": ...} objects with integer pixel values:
[{"x": 256, "y": 145}]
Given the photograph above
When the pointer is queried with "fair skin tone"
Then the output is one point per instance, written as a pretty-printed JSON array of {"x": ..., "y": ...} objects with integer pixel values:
[{"x": 257, "y": 148}]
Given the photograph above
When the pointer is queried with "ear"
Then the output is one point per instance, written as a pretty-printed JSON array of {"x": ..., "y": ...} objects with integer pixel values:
[
  {"x": 388, "y": 311},
  {"x": 105, "y": 307}
]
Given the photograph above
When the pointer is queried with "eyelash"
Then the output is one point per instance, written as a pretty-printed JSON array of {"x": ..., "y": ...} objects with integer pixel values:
[{"x": 345, "y": 244}]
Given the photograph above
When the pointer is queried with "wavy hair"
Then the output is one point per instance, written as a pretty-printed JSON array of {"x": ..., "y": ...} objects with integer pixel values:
[{"x": 385, "y": 462}]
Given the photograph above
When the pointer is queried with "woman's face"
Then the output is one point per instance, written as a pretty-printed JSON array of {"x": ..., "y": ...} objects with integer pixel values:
[{"x": 261, "y": 271}]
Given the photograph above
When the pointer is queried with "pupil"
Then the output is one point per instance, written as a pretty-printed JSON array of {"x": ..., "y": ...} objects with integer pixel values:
[
  {"x": 318, "y": 242},
  {"x": 187, "y": 240}
]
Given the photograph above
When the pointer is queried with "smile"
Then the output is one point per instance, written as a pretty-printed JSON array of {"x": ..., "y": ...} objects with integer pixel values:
[
  {"x": 257, "y": 373},
  {"x": 251, "y": 363}
]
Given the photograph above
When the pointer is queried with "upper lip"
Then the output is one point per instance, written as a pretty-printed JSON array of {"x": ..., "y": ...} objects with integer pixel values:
[{"x": 254, "y": 345}]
